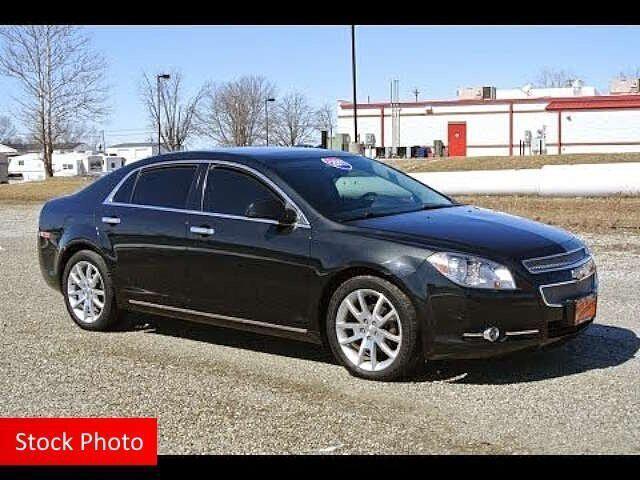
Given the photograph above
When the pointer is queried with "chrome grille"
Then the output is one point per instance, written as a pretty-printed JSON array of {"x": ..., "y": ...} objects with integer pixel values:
[
  {"x": 556, "y": 295},
  {"x": 560, "y": 261}
]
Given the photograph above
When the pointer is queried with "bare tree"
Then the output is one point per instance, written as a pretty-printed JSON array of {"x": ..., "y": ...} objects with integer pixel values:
[
  {"x": 8, "y": 130},
  {"x": 294, "y": 120},
  {"x": 62, "y": 80},
  {"x": 177, "y": 112},
  {"x": 630, "y": 73},
  {"x": 554, "y": 77},
  {"x": 326, "y": 118},
  {"x": 232, "y": 112}
]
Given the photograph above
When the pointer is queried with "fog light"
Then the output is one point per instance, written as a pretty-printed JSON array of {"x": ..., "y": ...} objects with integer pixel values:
[{"x": 491, "y": 334}]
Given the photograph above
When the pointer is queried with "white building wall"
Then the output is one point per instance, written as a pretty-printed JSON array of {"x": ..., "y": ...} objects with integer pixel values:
[
  {"x": 133, "y": 154},
  {"x": 583, "y": 131},
  {"x": 610, "y": 129}
]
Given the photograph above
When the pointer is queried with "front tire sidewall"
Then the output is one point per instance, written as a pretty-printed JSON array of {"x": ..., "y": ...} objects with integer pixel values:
[
  {"x": 409, "y": 355},
  {"x": 109, "y": 314}
]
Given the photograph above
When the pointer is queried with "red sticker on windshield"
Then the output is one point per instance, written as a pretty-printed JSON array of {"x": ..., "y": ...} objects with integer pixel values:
[{"x": 336, "y": 162}]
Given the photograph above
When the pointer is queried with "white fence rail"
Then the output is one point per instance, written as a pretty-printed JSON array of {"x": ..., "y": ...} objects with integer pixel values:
[{"x": 602, "y": 179}]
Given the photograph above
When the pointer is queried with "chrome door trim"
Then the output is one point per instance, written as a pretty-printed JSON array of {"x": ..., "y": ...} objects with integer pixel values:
[
  {"x": 111, "y": 220},
  {"x": 303, "y": 223},
  {"x": 217, "y": 316}
]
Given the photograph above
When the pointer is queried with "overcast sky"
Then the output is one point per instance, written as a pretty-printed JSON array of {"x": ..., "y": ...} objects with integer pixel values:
[{"x": 317, "y": 60}]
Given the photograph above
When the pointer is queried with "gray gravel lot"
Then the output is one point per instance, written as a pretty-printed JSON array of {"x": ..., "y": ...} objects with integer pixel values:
[{"x": 219, "y": 391}]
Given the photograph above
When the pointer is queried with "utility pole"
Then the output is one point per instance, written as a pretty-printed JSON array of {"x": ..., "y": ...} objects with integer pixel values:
[
  {"x": 353, "y": 69},
  {"x": 416, "y": 92}
]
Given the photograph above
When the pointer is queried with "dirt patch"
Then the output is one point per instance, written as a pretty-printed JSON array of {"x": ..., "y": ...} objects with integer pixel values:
[
  {"x": 451, "y": 164},
  {"x": 597, "y": 215}
]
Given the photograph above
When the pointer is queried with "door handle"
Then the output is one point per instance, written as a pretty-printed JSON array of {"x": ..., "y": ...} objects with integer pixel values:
[
  {"x": 202, "y": 230},
  {"x": 111, "y": 220}
]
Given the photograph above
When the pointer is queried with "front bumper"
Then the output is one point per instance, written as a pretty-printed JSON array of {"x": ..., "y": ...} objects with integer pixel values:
[{"x": 525, "y": 320}]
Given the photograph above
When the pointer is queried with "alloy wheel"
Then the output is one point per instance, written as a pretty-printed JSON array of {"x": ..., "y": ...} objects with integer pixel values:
[
  {"x": 85, "y": 292},
  {"x": 369, "y": 330}
]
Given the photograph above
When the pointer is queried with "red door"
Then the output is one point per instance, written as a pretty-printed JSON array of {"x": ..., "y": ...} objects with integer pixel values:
[{"x": 458, "y": 139}]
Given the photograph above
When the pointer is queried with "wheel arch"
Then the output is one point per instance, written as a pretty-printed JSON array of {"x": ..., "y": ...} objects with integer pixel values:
[
  {"x": 338, "y": 278},
  {"x": 71, "y": 249}
]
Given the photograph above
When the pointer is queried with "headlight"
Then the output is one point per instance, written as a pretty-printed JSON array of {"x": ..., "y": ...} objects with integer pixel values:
[{"x": 473, "y": 272}]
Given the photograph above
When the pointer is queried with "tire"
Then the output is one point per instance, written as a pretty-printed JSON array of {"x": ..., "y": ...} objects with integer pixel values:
[
  {"x": 359, "y": 360},
  {"x": 89, "y": 262}
]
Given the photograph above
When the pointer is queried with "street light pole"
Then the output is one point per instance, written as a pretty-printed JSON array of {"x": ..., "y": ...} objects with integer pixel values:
[
  {"x": 353, "y": 70},
  {"x": 266, "y": 116},
  {"x": 164, "y": 76}
]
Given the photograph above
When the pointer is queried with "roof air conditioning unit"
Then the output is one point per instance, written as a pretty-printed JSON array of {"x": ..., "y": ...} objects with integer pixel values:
[{"x": 488, "y": 93}]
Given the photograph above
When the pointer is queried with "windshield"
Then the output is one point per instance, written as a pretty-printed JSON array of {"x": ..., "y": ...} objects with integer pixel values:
[{"x": 353, "y": 187}]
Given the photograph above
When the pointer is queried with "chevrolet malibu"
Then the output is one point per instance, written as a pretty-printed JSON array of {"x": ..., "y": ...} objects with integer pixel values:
[{"x": 315, "y": 245}]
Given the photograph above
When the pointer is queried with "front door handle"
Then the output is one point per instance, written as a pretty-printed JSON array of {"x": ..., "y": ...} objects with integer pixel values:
[
  {"x": 202, "y": 230},
  {"x": 111, "y": 220}
]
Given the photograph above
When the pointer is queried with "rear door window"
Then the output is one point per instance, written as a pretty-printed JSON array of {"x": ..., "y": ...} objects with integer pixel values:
[{"x": 166, "y": 187}]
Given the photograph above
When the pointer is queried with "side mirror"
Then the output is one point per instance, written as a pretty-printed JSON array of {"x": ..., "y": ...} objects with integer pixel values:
[
  {"x": 270, "y": 209},
  {"x": 289, "y": 217}
]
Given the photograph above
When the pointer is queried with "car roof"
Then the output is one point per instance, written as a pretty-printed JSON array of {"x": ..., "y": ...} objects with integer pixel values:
[{"x": 265, "y": 155}]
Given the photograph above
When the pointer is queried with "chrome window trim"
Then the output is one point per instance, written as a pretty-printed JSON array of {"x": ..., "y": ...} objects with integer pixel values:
[
  {"x": 556, "y": 305},
  {"x": 302, "y": 223},
  {"x": 555, "y": 269},
  {"x": 217, "y": 316}
]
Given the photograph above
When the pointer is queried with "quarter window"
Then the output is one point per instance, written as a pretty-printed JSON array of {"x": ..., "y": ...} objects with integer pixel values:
[
  {"x": 230, "y": 192},
  {"x": 164, "y": 187},
  {"x": 123, "y": 195}
]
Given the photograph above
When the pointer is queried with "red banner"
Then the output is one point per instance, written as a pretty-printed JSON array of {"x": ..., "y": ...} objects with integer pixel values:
[{"x": 78, "y": 441}]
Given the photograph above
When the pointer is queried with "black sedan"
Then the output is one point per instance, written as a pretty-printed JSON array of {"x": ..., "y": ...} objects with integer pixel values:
[{"x": 315, "y": 245}]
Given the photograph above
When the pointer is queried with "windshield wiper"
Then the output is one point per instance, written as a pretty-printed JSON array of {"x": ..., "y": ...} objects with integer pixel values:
[
  {"x": 370, "y": 214},
  {"x": 433, "y": 206}
]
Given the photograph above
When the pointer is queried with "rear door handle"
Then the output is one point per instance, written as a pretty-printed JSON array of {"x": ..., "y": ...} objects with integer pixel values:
[
  {"x": 111, "y": 220},
  {"x": 202, "y": 230}
]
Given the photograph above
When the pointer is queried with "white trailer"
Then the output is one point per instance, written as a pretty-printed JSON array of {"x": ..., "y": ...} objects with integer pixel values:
[{"x": 28, "y": 166}]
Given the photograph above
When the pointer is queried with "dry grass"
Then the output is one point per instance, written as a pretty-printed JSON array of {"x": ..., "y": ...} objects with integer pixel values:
[
  {"x": 596, "y": 215},
  {"x": 41, "y": 191},
  {"x": 501, "y": 163}
]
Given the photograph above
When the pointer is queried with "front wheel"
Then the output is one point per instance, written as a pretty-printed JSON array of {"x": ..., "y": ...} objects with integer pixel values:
[
  {"x": 88, "y": 291},
  {"x": 372, "y": 329}
]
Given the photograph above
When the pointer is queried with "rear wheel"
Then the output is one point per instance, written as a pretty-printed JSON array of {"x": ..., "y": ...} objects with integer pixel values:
[
  {"x": 88, "y": 291},
  {"x": 372, "y": 329}
]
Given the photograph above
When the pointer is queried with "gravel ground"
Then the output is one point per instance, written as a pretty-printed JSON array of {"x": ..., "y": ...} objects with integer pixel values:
[{"x": 218, "y": 391}]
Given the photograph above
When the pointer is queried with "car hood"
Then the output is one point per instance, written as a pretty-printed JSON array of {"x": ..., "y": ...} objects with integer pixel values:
[{"x": 474, "y": 230}]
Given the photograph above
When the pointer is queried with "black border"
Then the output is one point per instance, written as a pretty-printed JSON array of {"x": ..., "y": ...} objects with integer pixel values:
[
  {"x": 320, "y": 13},
  {"x": 221, "y": 466}
]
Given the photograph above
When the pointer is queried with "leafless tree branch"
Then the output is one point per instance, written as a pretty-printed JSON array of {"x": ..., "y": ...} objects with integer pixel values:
[
  {"x": 294, "y": 121},
  {"x": 62, "y": 81},
  {"x": 549, "y": 77},
  {"x": 232, "y": 112},
  {"x": 177, "y": 114},
  {"x": 326, "y": 118},
  {"x": 8, "y": 130}
]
